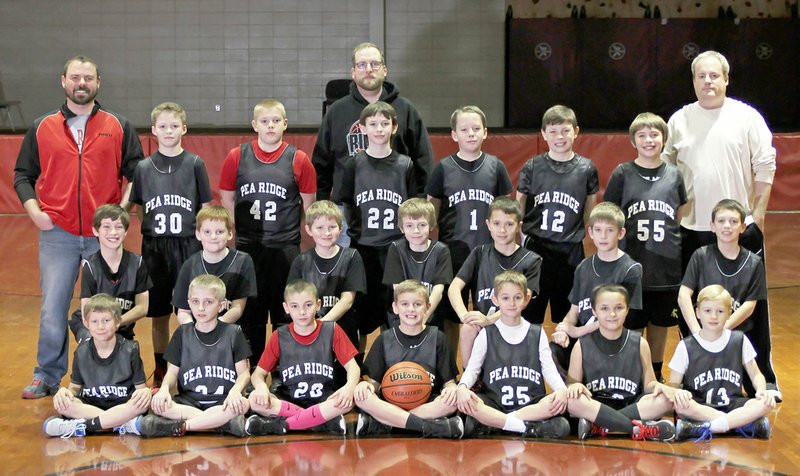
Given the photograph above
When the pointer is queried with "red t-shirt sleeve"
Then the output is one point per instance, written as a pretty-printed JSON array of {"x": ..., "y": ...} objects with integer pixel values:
[
  {"x": 342, "y": 346},
  {"x": 230, "y": 168},
  {"x": 272, "y": 354},
  {"x": 304, "y": 173}
]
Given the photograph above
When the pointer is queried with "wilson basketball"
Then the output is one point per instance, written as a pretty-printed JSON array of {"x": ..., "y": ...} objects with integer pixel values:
[{"x": 407, "y": 385}]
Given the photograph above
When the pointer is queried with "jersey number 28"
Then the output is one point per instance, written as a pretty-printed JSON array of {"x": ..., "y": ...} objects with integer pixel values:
[{"x": 303, "y": 390}]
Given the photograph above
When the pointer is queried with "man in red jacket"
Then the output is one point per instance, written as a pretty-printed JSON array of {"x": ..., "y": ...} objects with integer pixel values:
[{"x": 71, "y": 161}]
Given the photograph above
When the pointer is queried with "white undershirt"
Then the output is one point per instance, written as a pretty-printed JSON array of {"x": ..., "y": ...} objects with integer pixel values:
[{"x": 680, "y": 360}]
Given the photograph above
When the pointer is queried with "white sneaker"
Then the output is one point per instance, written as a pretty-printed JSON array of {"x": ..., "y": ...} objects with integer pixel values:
[
  {"x": 129, "y": 427},
  {"x": 65, "y": 428}
]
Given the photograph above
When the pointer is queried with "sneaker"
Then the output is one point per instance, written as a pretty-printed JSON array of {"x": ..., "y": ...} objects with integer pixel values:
[
  {"x": 472, "y": 427},
  {"x": 556, "y": 427},
  {"x": 155, "y": 425},
  {"x": 38, "y": 389},
  {"x": 451, "y": 427},
  {"x": 130, "y": 427},
  {"x": 587, "y": 429},
  {"x": 699, "y": 430},
  {"x": 757, "y": 429},
  {"x": 661, "y": 430},
  {"x": 367, "y": 425},
  {"x": 65, "y": 428},
  {"x": 234, "y": 426},
  {"x": 257, "y": 425},
  {"x": 335, "y": 426}
]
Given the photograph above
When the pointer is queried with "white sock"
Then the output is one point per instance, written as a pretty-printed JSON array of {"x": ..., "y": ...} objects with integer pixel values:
[
  {"x": 514, "y": 424},
  {"x": 720, "y": 424}
]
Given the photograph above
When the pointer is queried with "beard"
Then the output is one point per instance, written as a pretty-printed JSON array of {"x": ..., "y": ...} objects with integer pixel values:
[
  {"x": 370, "y": 84},
  {"x": 82, "y": 100}
]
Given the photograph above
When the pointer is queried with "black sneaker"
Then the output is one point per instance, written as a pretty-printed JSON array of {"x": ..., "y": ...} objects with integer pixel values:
[
  {"x": 234, "y": 426},
  {"x": 257, "y": 425},
  {"x": 699, "y": 430},
  {"x": 155, "y": 425},
  {"x": 661, "y": 430},
  {"x": 556, "y": 427},
  {"x": 367, "y": 425},
  {"x": 451, "y": 427},
  {"x": 757, "y": 429},
  {"x": 335, "y": 425},
  {"x": 473, "y": 427},
  {"x": 587, "y": 429}
]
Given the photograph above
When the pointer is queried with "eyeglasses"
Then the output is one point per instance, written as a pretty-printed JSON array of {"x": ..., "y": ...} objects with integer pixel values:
[{"x": 373, "y": 64}]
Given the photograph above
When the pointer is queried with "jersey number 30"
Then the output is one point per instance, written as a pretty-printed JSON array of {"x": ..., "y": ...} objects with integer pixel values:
[{"x": 175, "y": 223}]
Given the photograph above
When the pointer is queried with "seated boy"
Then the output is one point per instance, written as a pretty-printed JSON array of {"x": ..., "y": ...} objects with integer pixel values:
[
  {"x": 415, "y": 256},
  {"x": 712, "y": 402},
  {"x": 412, "y": 341},
  {"x": 114, "y": 271},
  {"x": 513, "y": 402},
  {"x": 233, "y": 267},
  {"x": 107, "y": 386},
  {"x": 305, "y": 353},
  {"x": 208, "y": 369},
  {"x": 612, "y": 383},
  {"x": 484, "y": 263}
]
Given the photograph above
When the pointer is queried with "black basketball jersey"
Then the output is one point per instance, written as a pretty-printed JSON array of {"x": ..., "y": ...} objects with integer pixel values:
[
  {"x": 167, "y": 189},
  {"x": 485, "y": 262},
  {"x": 124, "y": 288},
  {"x": 207, "y": 371},
  {"x": 236, "y": 270},
  {"x": 307, "y": 370},
  {"x": 513, "y": 371},
  {"x": 593, "y": 272},
  {"x": 268, "y": 204},
  {"x": 424, "y": 354},
  {"x": 556, "y": 200},
  {"x": 111, "y": 380},
  {"x": 422, "y": 268},
  {"x": 612, "y": 377},
  {"x": 467, "y": 196},
  {"x": 379, "y": 187},
  {"x": 652, "y": 237},
  {"x": 330, "y": 282},
  {"x": 715, "y": 377}
]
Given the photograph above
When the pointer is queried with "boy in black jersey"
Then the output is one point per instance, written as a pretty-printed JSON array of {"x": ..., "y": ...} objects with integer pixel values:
[
  {"x": 233, "y": 267},
  {"x": 411, "y": 341},
  {"x": 709, "y": 366},
  {"x": 107, "y": 387},
  {"x": 114, "y": 271},
  {"x": 740, "y": 271},
  {"x": 557, "y": 191},
  {"x": 170, "y": 186},
  {"x": 609, "y": 265},
  {"x": 266, "y": 184},
  {"x": 483, "y": 264},
  {"x": 304, "y": 353},
  {"x": 336, "y": 272},
  {"x": 650, "y": 192},
  {"x": 416, "y": 256},
  {"x": 514, "y": 358},
  {"x": 612, "y": 385},
  {"x": 208, "y": 367},
  {"x": 374, "y": 184}
]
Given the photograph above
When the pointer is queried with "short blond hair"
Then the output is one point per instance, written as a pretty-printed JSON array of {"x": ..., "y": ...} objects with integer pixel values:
[
  {"x": 323, "y": 209},
  {"x": 715, "y": 292},
  {"x": 210, "y": 282},
  {"x": 467, "y": 110},
  {"x": 214, "y": 212},
  {"x": 723, "y": 61},
  {"x": 607, "y": 212},
  {"x": 511, "y": 277},
  {"x": 648, "y": 119},
  {"x": 411, "y": 286},
  {"x": 269, "y": 103},
  {"x": 297, "y": 286},
  {"x": 105, "y": 304},
  {"x": 417, "y": 208},
  {"x": 172, "y": 107}
]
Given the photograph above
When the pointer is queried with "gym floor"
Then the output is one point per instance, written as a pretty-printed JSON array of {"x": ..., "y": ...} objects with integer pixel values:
[{"x": 29, "y": 451}]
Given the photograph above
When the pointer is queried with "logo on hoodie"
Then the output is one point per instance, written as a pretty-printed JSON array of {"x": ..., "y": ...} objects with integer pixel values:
[{"x": 356, "y": 141}]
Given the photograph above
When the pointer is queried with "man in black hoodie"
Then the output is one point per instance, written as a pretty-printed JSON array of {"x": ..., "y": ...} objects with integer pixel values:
[{"x": 339, "y": 134}]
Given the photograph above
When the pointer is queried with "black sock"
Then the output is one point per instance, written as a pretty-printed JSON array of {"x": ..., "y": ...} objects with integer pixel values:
[
  {"x": 632, "y": 412},
  {"x": 414, "y": 423},
  {"x": 93, "y": 425},
  {"x": 657, "y": 369},
  {"x": 613, "y": 420},
  {"x": 161, "y": 364}
]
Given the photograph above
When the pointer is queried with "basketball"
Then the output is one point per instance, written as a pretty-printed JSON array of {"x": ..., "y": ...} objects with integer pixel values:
[{"x": 407, "y": 385}]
